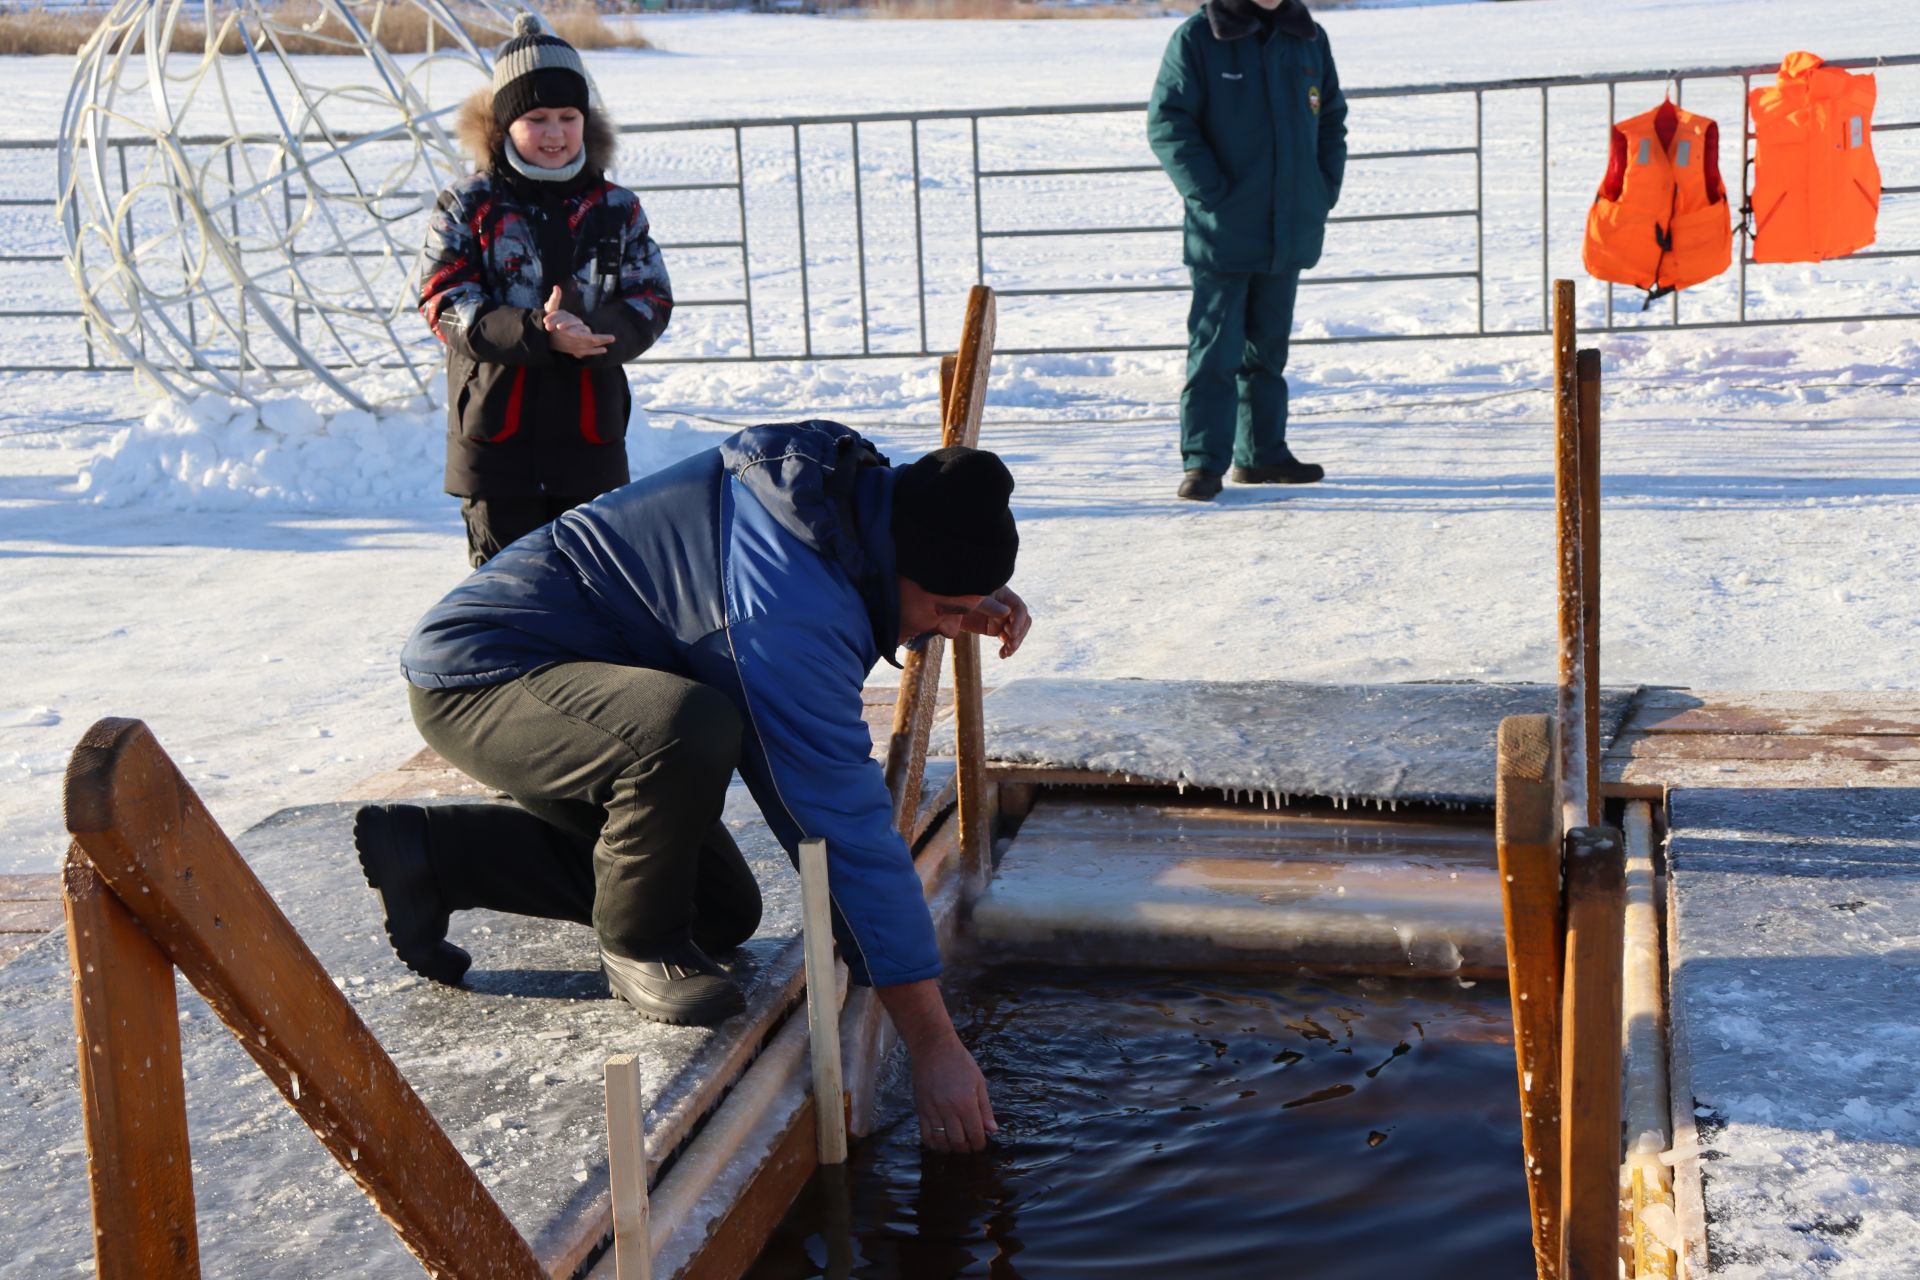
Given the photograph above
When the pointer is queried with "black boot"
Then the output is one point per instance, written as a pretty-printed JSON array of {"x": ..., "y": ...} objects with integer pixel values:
[
  {"x": 1289, "y": 470},
  {"x": 678, "y": 984},
  {"x": 1200, "y": 485},
  {"x": 392, "y": 842}
]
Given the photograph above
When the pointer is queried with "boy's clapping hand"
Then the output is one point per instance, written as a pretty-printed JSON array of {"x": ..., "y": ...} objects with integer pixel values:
[{"x": 568, "y": 333}]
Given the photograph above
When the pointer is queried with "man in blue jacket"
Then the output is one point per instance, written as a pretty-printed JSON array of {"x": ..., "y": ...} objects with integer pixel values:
[
  {"x": 1248, "y": 120},
  {"x": 610, "y": 671}
]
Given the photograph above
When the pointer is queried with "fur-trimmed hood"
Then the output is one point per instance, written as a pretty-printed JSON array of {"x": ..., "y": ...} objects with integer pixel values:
[{"x": 482, "y": 138}]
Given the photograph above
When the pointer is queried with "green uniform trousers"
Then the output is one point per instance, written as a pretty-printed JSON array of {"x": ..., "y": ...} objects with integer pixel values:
[{"x": 1234, "y": 404}]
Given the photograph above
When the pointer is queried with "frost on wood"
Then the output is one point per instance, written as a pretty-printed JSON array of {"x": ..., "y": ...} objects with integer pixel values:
[
  {"x": 1272, "y": 740},
  {"x": 1796, "y": 1005},
  {"x": 241, "y": 222},
  {"x": 510, "y": 1066}
]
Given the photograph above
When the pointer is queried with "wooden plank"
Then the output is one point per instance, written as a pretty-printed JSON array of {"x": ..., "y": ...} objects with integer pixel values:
[
  {"x": 743, "y": 1231},
  {"x": 912, "y": 726},
  {"x": 972, "y": 363},
  {"x": 30, "y": 917},
  {"x": 1822, "y": 713},
  {"x": 1767, "y": 746},
  {"x": 1527, "y": 835},
  {"x": 155, "y": 845},
  {"x": 1590, "y": 1056},
  {"x": 1645, "y": 1106},
  {"x": 1573, "y": 695},
  {"x": 1652, "y": 778},
  {"x": 132, "y": 1092},
  {"x": 41, "y": 887},
  {"x": 823, "y": 1006},
  {"x": 627, "y": 1169},
  {"x": 1587, "y": 380}
]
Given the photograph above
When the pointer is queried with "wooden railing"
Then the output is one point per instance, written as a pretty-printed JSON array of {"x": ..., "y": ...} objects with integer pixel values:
[
  {"x": 1563, "y": 879},
  {"x": 153, "y": 885}
]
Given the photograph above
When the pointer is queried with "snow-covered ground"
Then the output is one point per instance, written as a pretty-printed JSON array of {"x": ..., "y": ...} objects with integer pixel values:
[{"x": 248, "y": 598}]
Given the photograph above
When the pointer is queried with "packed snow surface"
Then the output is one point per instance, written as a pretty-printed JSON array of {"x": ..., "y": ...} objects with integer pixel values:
[{"x": 243, "y": 577}]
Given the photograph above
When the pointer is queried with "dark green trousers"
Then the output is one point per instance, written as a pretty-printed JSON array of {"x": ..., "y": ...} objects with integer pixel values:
[
  {"x": 1233, "y": 408},
  {"x": 620, "y": 775}
]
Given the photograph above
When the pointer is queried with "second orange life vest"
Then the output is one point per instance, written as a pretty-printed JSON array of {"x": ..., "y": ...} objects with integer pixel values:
[
  {"x": 1816, "y": 188},
  {"x": 1660, "y": 221}
]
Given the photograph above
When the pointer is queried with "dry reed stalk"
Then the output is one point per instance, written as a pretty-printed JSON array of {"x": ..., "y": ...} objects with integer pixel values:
[
  {"x": 1001, "y": 10},
  {"x": 302, "y": 27}
]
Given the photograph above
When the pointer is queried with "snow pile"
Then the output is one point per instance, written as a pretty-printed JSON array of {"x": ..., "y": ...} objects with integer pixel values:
[{"x": 216, "y": 453}]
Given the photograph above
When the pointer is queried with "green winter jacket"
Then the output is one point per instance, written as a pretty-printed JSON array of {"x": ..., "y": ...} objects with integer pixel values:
[{"x": 1253, "y": 133}]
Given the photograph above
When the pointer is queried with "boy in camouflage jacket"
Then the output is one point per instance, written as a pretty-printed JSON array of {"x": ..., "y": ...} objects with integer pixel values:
[{"x": 542, "y": 281}]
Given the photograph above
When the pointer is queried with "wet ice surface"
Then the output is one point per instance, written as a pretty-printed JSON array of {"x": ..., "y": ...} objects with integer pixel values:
[
  {"x": 1158, "y": 1126},
  {"x": 1382, "y": 743},
  {"x": 510, "y": 1066},
  {"x": 1195, "y": 885},
  {"x": 1795, "y": 937}
]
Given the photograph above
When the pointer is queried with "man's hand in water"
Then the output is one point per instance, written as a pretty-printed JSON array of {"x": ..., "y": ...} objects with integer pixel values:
[{"x": 949, "y": 1093}]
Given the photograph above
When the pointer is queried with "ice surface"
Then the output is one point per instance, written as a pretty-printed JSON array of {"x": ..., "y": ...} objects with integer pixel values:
[
  {"x": 1378, "y": 744},
  {"x": 1795, "y": 946},
  {"x": 511, "y": 1067},
  {"x": 1191, "y": 886}
]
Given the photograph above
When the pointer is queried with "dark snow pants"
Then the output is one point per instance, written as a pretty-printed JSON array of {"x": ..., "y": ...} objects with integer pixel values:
[
  {"x": 1234, "y": 405},
  {"x": 494, "y": 524},
  {"x": 620, "y": 775}
]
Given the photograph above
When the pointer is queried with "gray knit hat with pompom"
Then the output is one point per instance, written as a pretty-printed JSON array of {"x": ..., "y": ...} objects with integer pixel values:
[{"x": 536, "y": 69}]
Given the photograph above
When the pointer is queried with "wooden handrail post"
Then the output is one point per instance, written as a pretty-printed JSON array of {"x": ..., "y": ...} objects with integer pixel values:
[
  {"x": 627, "y": 1169},
  {"x": 1569, "y": 498},
  {"x": 1527, "y": 836},
  {"x": 963, "y": 397},
  {"x": 1587, "y": 378},
  {"x": 1590, "y": 1055},
  {"x": 965, "y": 403},
  {"x": 173, "y": 869},
  {"x": 132, "y": 1092},
  {"x": 823, "y": 1002}
]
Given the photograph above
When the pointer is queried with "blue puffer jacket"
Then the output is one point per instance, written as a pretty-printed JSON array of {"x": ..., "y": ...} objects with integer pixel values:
[{"x": 764, "y": 569}]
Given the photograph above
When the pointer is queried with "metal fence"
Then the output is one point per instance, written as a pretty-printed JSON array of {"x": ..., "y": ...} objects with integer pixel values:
[{"x": 836, "y": 237}]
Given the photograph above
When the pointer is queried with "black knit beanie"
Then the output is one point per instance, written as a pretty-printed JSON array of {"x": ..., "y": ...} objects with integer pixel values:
[
  {"x": 535, "y": 69},
  {"x": 952, "y": 531}
]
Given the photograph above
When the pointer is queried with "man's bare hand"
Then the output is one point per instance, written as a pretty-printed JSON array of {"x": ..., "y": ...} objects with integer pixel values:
[
  {"x": 949, "y": 1093},
  {"x": 950, "y": 1097},
  {"x": 1003, "y": 614}
]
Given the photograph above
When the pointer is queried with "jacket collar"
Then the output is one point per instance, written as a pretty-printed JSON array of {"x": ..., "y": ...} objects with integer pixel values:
[
  {"x": 1235, "y": 19},
  {"x": 873, "y": 513},
  {"x": 829, "y": 487}
]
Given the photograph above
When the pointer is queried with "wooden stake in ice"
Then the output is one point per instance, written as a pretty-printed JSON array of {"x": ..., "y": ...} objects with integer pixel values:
[
  {"x": 627, "y": 1160},
  {"x": 823, "y": 1005},
  {"x": 1590, "y": 1056},
  {"x": 1569, "y": 507},
  {"x": 1527, "y": 836}
]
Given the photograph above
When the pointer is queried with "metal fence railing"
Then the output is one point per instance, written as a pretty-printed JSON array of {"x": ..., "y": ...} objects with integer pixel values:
[{"x": 848, "y": 236}]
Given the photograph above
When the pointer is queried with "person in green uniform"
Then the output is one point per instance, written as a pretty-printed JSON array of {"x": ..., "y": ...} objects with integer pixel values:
[{"x": 1248, "y": 120}]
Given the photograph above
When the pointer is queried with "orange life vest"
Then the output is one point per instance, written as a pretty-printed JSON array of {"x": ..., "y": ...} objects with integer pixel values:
[
  {"x": 1661, "y": 221},
  {"x": 1816, "y": 188}
]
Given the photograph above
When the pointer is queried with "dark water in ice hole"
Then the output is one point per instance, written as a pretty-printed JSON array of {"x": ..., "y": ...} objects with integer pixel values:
[{"x": 1181, "y": 1126}]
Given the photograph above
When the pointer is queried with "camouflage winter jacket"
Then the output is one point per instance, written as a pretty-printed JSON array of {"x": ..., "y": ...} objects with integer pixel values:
[{"x": 522, "y": 418}]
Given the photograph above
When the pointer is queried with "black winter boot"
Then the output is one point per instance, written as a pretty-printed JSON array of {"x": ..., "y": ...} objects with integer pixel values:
[
  {"x": 1200, "y": 485},
  {"x": 679, "y": 984},
  {"x": 1289, "y": 470},
  {"x": 392, "y": 843}
]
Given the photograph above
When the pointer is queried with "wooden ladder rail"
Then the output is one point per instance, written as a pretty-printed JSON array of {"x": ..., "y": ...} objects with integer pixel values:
[
  {"x": 152, "y": 884},
  {"x": 1563, "y": 875}
]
